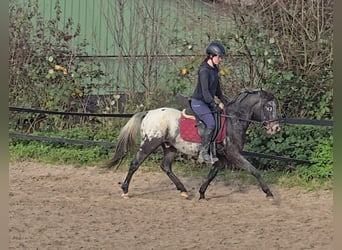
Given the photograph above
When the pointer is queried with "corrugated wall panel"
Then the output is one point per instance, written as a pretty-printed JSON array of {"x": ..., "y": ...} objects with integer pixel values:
[{"x": 174, "y": 26}]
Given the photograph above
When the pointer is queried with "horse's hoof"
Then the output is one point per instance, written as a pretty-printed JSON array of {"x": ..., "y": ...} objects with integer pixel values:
[
  {"x": 125, "y": 196},
  {"x": 185, "y": 195},
  {"x": 200, "y": 160},
  {"x": 270, "y": 198}
]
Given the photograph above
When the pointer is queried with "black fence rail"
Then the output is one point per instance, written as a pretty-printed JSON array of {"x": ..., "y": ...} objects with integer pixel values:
[
  {"x": 21, "y": 136},
  {"x": 282, "y": 120}
]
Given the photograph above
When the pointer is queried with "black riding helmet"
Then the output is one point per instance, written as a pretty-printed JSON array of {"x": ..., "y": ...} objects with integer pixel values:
[{"x": 215, "y": 48}]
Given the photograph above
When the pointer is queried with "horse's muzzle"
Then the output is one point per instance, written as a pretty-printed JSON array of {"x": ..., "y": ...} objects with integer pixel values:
[{"x": 272, "y": 127}]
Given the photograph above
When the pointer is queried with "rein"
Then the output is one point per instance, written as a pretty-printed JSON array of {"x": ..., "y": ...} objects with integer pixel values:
[
  {"x": 248, "y": 120},
  {"x": 241, "y": 119}
]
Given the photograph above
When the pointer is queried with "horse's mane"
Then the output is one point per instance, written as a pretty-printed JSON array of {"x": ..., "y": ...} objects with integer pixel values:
[{"x": 243, "y": 94}]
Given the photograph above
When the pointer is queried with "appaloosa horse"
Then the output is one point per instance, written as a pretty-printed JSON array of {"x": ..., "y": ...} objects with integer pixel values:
[{"x": 161, "y": 128}]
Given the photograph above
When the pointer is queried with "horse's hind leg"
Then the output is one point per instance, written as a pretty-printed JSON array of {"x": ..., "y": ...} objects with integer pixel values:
[
  {"x": 144, "y": 151},
  {"x": 135, "y": 164},
  {"x": 169, "y": 155}
]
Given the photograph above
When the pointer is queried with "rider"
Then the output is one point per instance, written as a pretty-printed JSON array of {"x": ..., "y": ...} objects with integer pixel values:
[{"x": 203, "y": 99}]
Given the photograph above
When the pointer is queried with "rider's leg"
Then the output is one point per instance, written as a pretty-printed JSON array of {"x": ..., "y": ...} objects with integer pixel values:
[
  {"x": 205, "y": 114},
  {"x": 206, "y": 140}
]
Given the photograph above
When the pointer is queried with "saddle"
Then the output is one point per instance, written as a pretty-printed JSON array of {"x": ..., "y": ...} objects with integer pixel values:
[{"x": 190, "y": 127}]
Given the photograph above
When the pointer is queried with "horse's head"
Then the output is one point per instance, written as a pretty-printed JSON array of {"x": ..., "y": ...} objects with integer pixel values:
[{"x": 265, "y": 111}]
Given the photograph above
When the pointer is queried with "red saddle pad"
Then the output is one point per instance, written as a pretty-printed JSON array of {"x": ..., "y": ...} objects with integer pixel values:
[{"x": 189, "y": 132}]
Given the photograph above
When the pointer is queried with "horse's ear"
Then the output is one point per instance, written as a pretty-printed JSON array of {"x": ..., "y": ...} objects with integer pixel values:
[
  {"x": 263, "y": 92},
  {"x": 269, "y": 95}
]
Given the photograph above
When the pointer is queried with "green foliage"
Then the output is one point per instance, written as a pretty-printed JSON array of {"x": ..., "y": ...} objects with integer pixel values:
[
  {"x": 45, "y": 69},
  {"x": 288, "y": 54},
  {"x": 181, "y": 79},
  {"x": 322, "y": 162},
  {"x": 323, "y": 154},
  {"x": 73, "y": 154},
  {"x": 56, "y": 154},
  {"x": 293, "y": 141}
]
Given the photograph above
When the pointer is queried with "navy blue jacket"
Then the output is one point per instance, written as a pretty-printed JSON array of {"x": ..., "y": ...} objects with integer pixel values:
[{"x": 208, "y": 85}]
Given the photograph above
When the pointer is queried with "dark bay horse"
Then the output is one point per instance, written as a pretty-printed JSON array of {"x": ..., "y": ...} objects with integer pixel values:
[{"x": 160, "y": 128}]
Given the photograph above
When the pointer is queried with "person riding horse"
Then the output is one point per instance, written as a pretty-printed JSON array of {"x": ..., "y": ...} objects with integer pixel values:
[
  {"x": 258, "y": 106},
  {"x": 203, "y": 99}
]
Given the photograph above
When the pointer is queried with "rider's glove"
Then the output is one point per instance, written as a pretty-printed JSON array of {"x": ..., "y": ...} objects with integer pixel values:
[{"x": 215, "y": 108}]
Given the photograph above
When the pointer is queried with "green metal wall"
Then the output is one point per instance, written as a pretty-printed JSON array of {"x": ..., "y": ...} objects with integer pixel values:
[{"x": 180, "y": 24}]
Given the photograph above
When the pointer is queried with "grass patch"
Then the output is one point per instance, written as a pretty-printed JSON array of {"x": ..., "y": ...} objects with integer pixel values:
[{"x": 54, "y": 154}]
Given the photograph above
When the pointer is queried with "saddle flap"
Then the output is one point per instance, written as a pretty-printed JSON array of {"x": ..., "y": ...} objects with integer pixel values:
[{"x": 188, "y": 129}]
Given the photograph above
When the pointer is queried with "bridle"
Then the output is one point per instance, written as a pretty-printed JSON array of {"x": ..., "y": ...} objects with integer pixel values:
[{"x": 263, "y": 123}]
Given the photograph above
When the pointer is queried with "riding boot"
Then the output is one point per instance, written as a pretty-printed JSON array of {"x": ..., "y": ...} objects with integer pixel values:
[{"x": 206, "y": 140}]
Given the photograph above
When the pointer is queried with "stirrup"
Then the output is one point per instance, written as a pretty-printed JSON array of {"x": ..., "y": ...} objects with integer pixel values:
[
  {"x": 212, "y": 153},
  {"x": 203, "y": 157},
  {"x": 213, "y": 159},
  {"x": 207, "y": 158}
]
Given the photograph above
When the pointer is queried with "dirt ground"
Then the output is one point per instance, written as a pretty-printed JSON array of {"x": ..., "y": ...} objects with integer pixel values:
[{"x": 63, "y": 207}]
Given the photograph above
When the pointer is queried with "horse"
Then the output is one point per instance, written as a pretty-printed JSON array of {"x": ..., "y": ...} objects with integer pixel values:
[{"x": 159, "y": 128}]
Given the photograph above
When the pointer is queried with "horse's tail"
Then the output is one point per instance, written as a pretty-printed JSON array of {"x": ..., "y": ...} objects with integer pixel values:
[{"x": 126, "y": 139}]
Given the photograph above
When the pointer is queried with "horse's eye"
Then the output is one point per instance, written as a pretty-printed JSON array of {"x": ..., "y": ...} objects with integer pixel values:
[{"x": 269, "y": 108}]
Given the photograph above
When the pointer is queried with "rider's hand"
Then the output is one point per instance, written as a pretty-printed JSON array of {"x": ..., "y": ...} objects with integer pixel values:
[
  {"x": 217, "y": 109},
  {"x": 221, "y": 105}
]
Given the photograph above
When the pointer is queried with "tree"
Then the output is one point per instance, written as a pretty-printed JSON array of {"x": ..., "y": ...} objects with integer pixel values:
[{"x": 286, "y": 46}]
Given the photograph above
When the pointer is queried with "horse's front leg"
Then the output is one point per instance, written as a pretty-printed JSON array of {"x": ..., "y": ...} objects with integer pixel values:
[
  {"x": 217, "y": 166},
  {"x": 244, "y": 164}
]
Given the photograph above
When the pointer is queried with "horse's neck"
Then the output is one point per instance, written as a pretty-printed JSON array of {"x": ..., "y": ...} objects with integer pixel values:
[
  {"x": 236, "y": 131},
  {"x": 240, "y": 112},
  {"x": 243, "y": 114},
  {"x": 237, "y": 125}
]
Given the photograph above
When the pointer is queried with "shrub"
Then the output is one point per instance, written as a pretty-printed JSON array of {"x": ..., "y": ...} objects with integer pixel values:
[
  {"x": 293, "y": 141},
  {"x": 321, "y": 160},
  {"x": 45, "y": 69}
]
